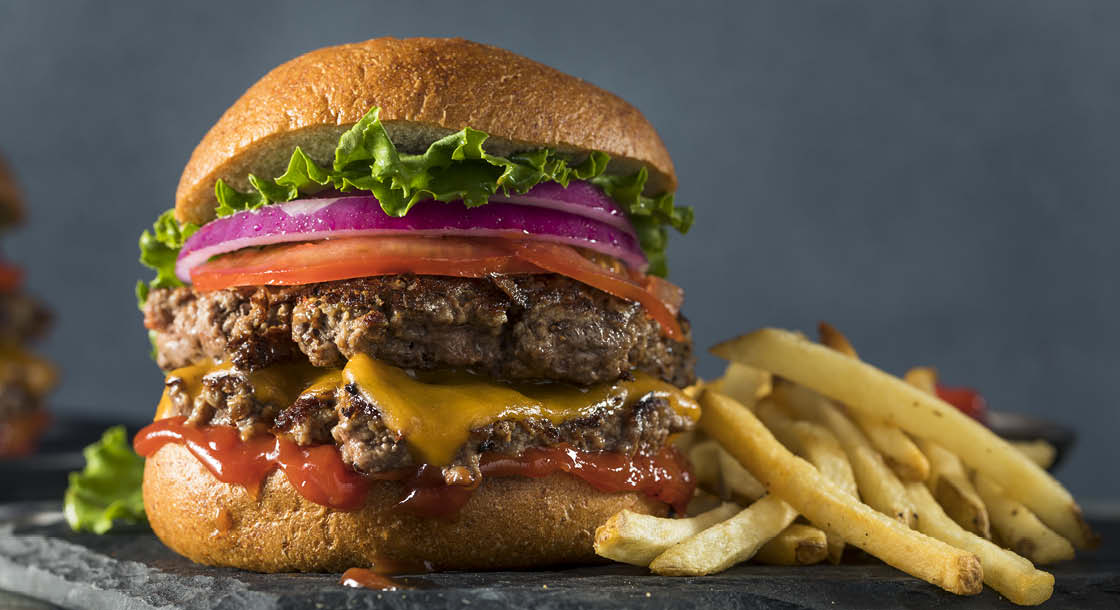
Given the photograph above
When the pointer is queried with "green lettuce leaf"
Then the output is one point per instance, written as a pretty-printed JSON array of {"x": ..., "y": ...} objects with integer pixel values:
[
  {"x": 158, "y": 249},
  {"x": 107, "y": 491},
  {"x": 456, "y": 167}
]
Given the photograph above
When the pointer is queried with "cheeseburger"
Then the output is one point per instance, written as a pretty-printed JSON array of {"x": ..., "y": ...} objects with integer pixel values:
[
  {"x": 411, "y": 309},
  {"x": 25, "y": 378}
]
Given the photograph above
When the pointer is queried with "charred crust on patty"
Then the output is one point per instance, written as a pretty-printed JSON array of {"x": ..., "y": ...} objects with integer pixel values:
[
  {"x": 512, "y": 327},
  {"x": 347, "y": 419}
]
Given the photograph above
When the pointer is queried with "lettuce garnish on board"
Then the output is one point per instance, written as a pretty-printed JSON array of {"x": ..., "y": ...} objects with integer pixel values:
[
  {"x": 454, "y": 168},
  {"x": 106, "y": 492}
]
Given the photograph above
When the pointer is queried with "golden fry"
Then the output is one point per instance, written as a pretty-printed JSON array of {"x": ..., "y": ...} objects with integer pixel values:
[
  {"x": 866, "y": 389},
  {"x": 835, "y": 340},
  {"x": 1039, "y": 451},
  {"x": 726, "y": 543},
  {"x": 1019, "y": 529},
  {"x": 816, "y": 444},
  {"x": 797, "y": 545},
  {"x": 637, "y": 539},
  {"x": 1011, "y": 575},
  {"x": 718, "y": 473},
  {"x": 878, "y": 486},
  {"x": 743, "y": 383},
  {"x": 901, "y": 454},
  {"x": 954, "y": 491},
  {"x": 948, "y": 480},
  {"x": 827, "y": 506}
]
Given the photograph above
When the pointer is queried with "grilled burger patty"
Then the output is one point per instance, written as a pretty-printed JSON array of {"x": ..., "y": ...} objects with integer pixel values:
[
  {"x": 348, "y": 420},
  {"x": 508, "y": 327}
]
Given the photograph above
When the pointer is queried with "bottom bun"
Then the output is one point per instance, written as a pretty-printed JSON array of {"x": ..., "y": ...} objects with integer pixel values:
[{"x": 511, "y": 522}]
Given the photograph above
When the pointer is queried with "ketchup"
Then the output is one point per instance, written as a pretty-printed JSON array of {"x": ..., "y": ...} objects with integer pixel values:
[
  {"x": 368, "y": 579},
  {"x": 967, "y": 400},
  {"x": 319, "y": 474}
]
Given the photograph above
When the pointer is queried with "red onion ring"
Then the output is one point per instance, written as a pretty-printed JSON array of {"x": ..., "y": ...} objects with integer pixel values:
[
  {"x": 316, "y": 219},
  {"x": 579, "y": 197}
]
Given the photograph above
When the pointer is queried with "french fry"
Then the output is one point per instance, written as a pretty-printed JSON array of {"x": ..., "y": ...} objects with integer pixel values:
[
  {"x": 637, "y": 539},
  {"x": 704, "y": 457},
  {"x": 737, "y": 482},
  {"x": 901, "y": 454},
  {"x": 954, "y": 491},
  {"x": 816, "y": 444},
  {"x": 836, "y": 340},
  {"x": 1019, "y": 529},
  {"x": 866, "y": 389},
  {"x": 1039, "y": 451},
  {"x": 948, "y": 480},
  {"x": 826, "y": 505},
  {"x": 878, "y": 486},
  {"x": 717, "y": 472},
  {"x": 797, "y": 545},
  {"x": 743, "y": 383},
  {"x": 1011, "y": 575},
  {"x": 726, "y": 543}
]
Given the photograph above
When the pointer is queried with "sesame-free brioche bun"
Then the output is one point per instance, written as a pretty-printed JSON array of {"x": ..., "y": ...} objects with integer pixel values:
[
  {"x": 511, "y": 522},
  {"x": 426, "y": 88},
  {"x": 11, "y": 199}
]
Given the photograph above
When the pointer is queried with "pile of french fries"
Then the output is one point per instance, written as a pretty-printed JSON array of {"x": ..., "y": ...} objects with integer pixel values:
[{"x": 804, "y": 449}]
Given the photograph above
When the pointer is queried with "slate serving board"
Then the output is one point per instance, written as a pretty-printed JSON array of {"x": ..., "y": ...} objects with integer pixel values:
[{"x": 41, "y": 559}]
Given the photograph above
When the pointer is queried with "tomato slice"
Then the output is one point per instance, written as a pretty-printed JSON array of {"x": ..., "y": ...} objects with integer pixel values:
[
  {"x": 564, "y": 260},
  {"x": 353, "y": 257},
  {"x": 342, "y": 259}
]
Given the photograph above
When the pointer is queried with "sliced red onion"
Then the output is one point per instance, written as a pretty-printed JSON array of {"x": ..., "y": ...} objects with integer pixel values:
[
  {"x": 579, "y": 197},
  {"x": 315, "y": 219}
]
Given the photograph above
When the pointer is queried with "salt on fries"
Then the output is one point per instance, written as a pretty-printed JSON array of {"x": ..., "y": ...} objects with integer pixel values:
[
  {"x": 868, "y": 390},
  {"x": 941, "y": 503}
]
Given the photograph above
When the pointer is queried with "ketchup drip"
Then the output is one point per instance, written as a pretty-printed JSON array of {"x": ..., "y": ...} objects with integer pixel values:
[
  {"x": 320, "y": 475},
  {"x": 368, "y": 579}
]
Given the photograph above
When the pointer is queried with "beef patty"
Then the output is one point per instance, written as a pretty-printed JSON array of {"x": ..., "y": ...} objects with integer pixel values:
[
  {"x": 509, "y": 327},
  {"x": 344, "y": 417}
]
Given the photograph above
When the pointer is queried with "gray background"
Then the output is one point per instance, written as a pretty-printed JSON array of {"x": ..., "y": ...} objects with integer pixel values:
[{"x": 938, "y": 179}]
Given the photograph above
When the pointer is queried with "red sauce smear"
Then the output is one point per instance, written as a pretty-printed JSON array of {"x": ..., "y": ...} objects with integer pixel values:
[
  {"x": 320, "y": 475},
  {"x": 967, "y": 400},
  {"x": 368, "y": 579}
]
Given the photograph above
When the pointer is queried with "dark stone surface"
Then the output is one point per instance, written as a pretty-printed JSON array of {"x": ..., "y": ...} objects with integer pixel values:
[{"x": 42, "y": 559}]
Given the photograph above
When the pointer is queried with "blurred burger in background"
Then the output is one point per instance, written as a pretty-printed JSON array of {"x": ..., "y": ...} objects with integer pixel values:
[{"x": 25, "y": 378}]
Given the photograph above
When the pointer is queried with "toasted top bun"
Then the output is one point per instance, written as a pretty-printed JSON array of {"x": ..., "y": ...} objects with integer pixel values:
[
  {"x": 426, "y": 88},
  {"x": 11, "y": 199},
  {"x": 511, "y": 522}
]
